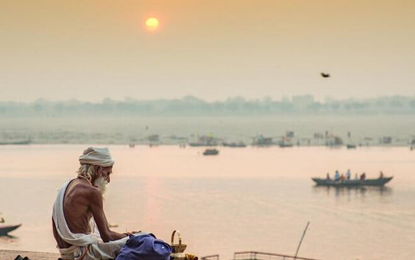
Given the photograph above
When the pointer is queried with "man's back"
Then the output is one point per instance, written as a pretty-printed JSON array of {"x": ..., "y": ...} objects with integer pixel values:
[
  {"x": 79, "y": 196},
  {"x": 77, "y": 202}
]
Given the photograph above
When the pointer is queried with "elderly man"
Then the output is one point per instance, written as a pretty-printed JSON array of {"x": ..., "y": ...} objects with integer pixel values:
[{"x": 79, "y": 207}]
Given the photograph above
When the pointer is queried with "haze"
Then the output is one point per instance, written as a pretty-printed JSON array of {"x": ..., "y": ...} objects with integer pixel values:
[{"x": 212, "y": 49}]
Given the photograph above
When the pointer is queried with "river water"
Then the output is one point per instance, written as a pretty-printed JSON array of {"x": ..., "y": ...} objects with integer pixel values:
[{"x": 243, "y": 199}]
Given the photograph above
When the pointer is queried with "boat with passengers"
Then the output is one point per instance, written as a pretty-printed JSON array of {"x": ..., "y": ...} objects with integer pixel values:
[{"x": 352, "y": 182}]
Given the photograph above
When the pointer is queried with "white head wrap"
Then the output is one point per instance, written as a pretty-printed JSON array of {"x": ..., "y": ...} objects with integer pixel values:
[{"x": 97, "y": 156}]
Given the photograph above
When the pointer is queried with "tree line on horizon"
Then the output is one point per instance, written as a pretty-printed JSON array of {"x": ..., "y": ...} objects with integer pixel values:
[{"x": 193, "y": 106}]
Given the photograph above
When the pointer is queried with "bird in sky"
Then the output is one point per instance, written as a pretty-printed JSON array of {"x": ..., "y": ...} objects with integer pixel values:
[{"x": 325, "y": 75}]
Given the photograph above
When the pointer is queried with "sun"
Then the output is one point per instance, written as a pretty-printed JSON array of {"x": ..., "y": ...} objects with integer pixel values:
[{"x": 152, "y": 24}]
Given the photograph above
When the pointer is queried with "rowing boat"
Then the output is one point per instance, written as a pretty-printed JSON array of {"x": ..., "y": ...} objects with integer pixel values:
[
  {"x": 347, "y": 183},
  {"x": 4, "y": 229}
]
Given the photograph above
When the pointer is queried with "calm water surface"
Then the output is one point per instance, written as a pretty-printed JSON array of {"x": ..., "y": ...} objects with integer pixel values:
[{"x": 243, "y": 199}]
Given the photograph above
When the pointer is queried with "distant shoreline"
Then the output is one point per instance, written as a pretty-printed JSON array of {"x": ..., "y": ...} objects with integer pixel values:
[{"x": 302, "y": 131}]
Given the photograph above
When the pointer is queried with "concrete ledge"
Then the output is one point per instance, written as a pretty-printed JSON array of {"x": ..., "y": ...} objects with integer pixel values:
[{"x": 11, "y": 255}]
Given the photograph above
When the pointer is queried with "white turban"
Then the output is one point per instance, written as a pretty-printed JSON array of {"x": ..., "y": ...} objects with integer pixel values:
[{"x": 97, "y": 156}]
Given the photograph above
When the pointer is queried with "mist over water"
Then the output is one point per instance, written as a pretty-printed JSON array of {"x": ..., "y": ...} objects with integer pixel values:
[{"x": 119, "y": 130}]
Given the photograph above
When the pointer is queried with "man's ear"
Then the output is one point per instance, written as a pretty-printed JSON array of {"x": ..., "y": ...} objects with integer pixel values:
[{"x": 98, "y": 171}]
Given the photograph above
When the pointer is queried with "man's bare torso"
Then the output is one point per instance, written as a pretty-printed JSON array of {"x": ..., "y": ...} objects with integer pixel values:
[{"x": 76, "y": 207}]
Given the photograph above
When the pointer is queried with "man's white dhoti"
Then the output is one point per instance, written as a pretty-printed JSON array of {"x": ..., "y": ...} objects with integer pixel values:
[
  {"x": 84, "y": 246},
  {"x": 108, "y": 250}
]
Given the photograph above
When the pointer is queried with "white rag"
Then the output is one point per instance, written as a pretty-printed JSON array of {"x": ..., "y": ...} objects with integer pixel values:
[
  {"x": 97, "y": 156},
  {"x": 75, "y": 239}
]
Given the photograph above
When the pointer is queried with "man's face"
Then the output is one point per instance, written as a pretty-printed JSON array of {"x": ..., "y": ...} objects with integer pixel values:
[
  {"x": 103, "y": 178},
  {"x": 105, "y": 173}
]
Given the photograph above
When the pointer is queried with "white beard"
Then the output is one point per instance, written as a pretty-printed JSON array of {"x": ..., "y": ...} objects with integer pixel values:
[{"x": 101, "y": 184}]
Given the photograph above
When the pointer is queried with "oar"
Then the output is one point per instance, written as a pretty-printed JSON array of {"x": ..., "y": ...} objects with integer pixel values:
[{"x": 298, "y": 248}]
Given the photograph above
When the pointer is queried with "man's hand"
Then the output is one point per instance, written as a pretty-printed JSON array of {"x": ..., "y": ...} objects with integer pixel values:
[{"x": 128, "y": 233}]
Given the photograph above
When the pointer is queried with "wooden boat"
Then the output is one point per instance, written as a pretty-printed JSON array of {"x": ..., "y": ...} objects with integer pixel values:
[
  {"x": 284, "y": 144},
  {"x": 211, "y": 152},
  {"x": 351, "y": 183},
  {"x": 234, "y": 144},
  {"x": 205, "y": 140},
  {"x": 4, "y": 229},
  {"x": 22, "y": 142},
  {"x": 351, "y": 146},
  {"x": 262, "y": 141}
]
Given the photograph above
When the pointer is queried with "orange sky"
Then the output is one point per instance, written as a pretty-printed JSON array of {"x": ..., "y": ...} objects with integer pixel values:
[{"x": 213, "y": 49}]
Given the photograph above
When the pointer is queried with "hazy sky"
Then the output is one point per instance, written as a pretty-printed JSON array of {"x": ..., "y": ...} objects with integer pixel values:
[{"x": 213, "y": 49}]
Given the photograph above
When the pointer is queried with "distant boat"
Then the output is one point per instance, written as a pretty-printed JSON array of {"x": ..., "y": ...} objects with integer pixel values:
[
  {"x": 333, "y": 141},
  {"x": 211, "y": 152},
  {"x": 352, "y": 183},
  {"x": 205, "y": 140},
  {"x": 260, "y": 140},
  {"x": 5, "y": 229},
  {"x": 22, "y": 142},
  {"x": 202, "y": 144},
  {"x": 284, "y": 143},
  {"x": 233, "y": 144},
  {"x": 351, "y": 146}
]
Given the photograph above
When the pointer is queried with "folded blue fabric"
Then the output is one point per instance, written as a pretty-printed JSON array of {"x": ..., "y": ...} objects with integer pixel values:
[{"x": 144, "y": 247}]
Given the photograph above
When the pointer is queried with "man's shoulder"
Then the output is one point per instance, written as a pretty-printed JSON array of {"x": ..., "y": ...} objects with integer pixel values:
[{"x": 81, "y": 187}]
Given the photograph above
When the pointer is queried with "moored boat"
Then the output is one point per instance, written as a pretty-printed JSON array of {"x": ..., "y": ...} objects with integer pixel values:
[
  {"x": 284, "y": 144},
  {"x": 205, "y": 140},
  {"x": 234, "y": 144},
  {"x": 351, "y": 146},
  {"x": 261, "y": 141},
  {"x": 16, "y": 142},
  {"x": 5, "y": 229},
  {"x": 349, "y": 183}
]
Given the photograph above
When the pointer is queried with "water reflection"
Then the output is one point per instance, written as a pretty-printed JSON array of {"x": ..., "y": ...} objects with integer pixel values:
[
  {"x": 8, "y": 239},
  {"x": 356, "y": 190}
]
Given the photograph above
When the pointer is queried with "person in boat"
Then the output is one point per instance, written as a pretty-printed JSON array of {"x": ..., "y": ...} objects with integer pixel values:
[
  {"x": 328, "y": 176},
  {"x": 381, "y": 175},
  {"x": 363, "y": 176},
  {"x": 342, "y": 177},
  {"x": 348, "y": 174},
  {"x": 337, "y": 175},
  {"x": 78, "y": 210},
  {"x": 356, "y": 177}
]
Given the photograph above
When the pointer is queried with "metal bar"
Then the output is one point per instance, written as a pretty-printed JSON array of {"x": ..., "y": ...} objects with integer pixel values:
[
  {"x": 210, "y": 257},
  {"x": 244, "y": 255},
  {"x": 298, "y": 248}
]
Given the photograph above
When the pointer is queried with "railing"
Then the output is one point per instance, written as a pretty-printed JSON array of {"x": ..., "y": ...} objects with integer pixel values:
[
  {"x": 253, "y": 255},
  {"x": 210, "y": 257}
]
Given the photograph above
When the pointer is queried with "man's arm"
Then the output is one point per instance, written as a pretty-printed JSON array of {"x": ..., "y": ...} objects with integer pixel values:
[{"x": 96, "y": 205}]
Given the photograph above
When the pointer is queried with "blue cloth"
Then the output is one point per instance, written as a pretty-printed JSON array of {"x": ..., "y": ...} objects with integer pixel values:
[{"x": 144, "y": 247}]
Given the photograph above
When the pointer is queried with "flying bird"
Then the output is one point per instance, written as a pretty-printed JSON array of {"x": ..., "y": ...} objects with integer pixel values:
[{"x": 325, "y": 75}]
